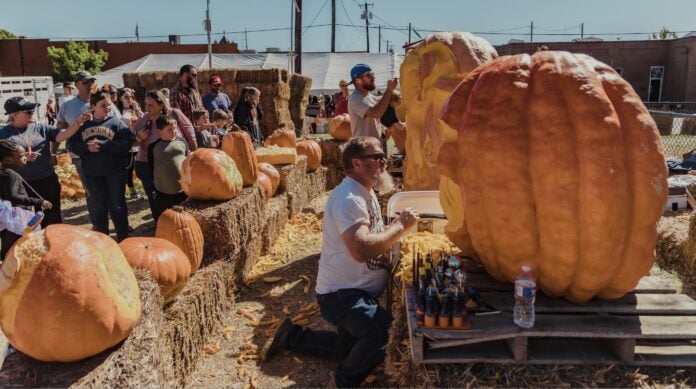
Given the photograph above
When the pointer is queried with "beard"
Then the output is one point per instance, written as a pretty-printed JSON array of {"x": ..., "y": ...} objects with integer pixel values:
[
  {"x": 384, "y": 183},
  {"x": 369, "y": 87},
  {"x": 192, "y": 83}
]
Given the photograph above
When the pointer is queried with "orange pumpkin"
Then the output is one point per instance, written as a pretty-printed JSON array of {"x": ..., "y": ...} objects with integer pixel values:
[
  {"x": 265, "y": 184},
  {"x": 210, "y": 174},
  {"x": 67, "y": 293},
  {"x": 339, "y": 127},
  {"x": 238, "y": 145},
  {"x": 63, "y": 159},
  {"x": 272, "y": 173},
  {"x": 312, "y": 150},
  {"x": 570, "y": 180},
  {"x": 181, "y": 228},
  {"x": 167, "y": 264},
  {"x": 282, "y": 138}
]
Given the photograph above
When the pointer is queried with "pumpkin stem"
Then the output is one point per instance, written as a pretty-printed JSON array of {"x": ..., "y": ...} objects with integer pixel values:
[{"x": 178, "y": 208}]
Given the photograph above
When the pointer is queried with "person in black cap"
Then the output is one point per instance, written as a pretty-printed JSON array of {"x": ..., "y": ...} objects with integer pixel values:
[
  {"x": 364, "y": 108},
  {"x": 36, "y": 139}
]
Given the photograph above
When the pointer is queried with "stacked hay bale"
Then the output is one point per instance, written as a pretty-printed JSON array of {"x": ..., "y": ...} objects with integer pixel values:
[
  {"x": 299, "y": 98},
  {"x": 332, "y": 158}
]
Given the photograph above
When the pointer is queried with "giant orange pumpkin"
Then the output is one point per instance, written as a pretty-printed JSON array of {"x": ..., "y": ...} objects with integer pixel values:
[
  {"x": 281, "y": 138},
  {"x": 67, "y": 293},
  {"x": 167, "y": 264},
  {"x": 339, "y": 127},
  {"x": 266, "y": 185},
  {"x": 238, "y": 145},
  {"x": 181, "y": 228},
  {"x": 429, "y": 73},
  {"x": 272, "y": 173},
  {"x": 560, "y": 167},
  {"x": 210, "y": 174},
  {"x": 312, "y": 150}
]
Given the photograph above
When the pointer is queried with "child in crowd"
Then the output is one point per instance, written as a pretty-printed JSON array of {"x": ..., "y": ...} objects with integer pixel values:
[
  {"x": 221, "y": 120},
  {"x": 12, "y": 189},
  {"x": 165, "y": 157},
  {"x": 202, "y": 125}
]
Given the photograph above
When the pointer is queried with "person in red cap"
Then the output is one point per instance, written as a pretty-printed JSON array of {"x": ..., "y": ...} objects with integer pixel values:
[{"x": 216, "y": 99}]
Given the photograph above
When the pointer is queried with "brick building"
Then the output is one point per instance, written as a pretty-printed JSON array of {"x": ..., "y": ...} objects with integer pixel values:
[
  {"x": 27, "y": 57},
  {"x": 659, "y": 70}
]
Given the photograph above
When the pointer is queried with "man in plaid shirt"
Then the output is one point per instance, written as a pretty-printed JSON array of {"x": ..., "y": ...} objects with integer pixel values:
[{"x": 184, "y": 95}]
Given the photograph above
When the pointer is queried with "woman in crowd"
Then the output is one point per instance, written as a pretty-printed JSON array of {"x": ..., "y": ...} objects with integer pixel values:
[
  {"x": 248, "y": 114},
  {"x": 146, "y": 132},
  {"x": 130, "y": 114},
  {"x": 103, "y": 144}
]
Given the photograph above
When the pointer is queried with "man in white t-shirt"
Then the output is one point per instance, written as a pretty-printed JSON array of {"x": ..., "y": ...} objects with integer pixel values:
[
  {"x": 364, "y": 108},
  {"x": 352, "y": 271}
]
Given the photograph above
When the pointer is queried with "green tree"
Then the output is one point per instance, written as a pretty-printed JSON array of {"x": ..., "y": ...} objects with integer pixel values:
[
  {"x": 4, "y": 34},
  {"x": 663, "y": 34},
  {"x": 74, "y": 57}
]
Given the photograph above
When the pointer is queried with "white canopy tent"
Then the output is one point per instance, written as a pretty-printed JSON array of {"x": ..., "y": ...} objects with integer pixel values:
[{"x": 325, "y": 69}]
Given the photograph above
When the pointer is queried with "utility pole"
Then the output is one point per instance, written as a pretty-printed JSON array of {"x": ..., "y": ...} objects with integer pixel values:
[
  {"x": 388, "y": 47},
  {"x": 531, "y": 32},
  {"x": 582, "y": 30},
  {"x": 246, "y": 39},
  {"x": 379, "y": 40},
  {"x": 208, "y": 26},
  {"x": 298, "y": 36},
  {"x": 409, "y": 33},
  {"x": 367, "y": 15},
  {"x": 333, "y": 26}
]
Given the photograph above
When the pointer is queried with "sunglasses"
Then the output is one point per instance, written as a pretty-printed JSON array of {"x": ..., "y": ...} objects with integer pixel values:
[
  {"x": 368, "y": 74},
  {"x": 87, "y": 82},
  {"x": 375, "y": 157}
]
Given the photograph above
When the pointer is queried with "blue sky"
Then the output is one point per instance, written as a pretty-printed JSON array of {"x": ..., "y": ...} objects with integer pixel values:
[{"x": 508, "y": 18}]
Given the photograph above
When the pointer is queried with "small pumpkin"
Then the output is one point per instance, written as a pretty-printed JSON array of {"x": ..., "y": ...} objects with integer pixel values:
[
  {"x": 63, "y": 159},
  {"x": 265, "y": 184},
  {"x": 281, "y": 138},
  {"x": 67, "y": 293},
  {"x": 272, "y": 173},
  {"x": 339, "y": 127},
  {"x": 238, "y": 145},
  {"x": 210, "y": 174},
  {"x": 312, "y": 151},
  {"x": 167, "y": 264},
  {"x": 181, "y": 228}
]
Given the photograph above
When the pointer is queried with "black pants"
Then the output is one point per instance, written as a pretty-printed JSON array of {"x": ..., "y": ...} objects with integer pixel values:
[
  {"x": 8, "y": 239},
  {"x": 130, "y": 169},
  {"x": 109, "y": 199},
  {"x": 49, "y": 189},
  {"x": 165, "y": 201}
]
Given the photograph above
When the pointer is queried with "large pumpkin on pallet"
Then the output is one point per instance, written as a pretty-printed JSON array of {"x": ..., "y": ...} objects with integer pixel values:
[
  {"x": 67, "y": 293},
  {"x": 429, "y": 73},
  {"x": 181, "y": 228},
  {"x": 210, "y": 174},
  {"x": 339, "y": 127},
  {"x": 312, "y": 151},
  {"x": 167, "y": 264},
  {"x": 238, "y": 145},
  {"x": 281, "y": 138},
  {"x": 560, "y": 166}
]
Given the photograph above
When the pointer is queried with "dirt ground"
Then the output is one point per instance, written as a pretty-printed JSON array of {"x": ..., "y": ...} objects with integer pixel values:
[{"x": 231, "y": 354}]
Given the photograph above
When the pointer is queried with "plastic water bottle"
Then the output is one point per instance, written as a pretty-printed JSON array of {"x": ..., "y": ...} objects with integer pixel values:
[{"x": 525, "y": 293}]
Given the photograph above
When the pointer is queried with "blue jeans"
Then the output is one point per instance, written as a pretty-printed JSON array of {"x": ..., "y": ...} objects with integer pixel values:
[
  {"x": 142, "y": 170},
  {"x": 362, "y": 332},
  {"x": 109, "y": 198}
]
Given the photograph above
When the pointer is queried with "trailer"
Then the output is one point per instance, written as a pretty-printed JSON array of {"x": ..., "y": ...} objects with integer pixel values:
[{"x": 34, "y": 89}]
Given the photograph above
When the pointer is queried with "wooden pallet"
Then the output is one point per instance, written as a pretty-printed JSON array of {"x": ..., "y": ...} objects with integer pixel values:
[{"x": 653, "y": 326}]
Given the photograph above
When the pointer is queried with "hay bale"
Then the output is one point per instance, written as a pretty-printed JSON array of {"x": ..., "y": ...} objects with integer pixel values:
[
  {"x": 276, "y": 215},
  {"x": 293, "y": 181},
  {"x": 332, "y": 152},
  {"x": 299, "y": 98},
  {"x": 142, "y": 360},
  {"x": 229, "y": 226},
  {"x": 334, "y": 176},
  {"x": 316, "y": 183},
  {"x": 196, "y": 314}
]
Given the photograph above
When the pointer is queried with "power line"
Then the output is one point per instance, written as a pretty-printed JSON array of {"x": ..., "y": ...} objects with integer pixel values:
[
  {"x": 311, "y": 24},
  {"x": 348, "y": 16}
]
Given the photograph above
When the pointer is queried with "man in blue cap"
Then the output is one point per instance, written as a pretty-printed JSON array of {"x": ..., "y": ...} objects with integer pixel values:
[{"x": 364, "y": 108}]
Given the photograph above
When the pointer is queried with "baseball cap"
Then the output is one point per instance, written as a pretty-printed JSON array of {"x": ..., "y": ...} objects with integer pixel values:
[
  {"x": 18, "y": 104},
  {"x": 358, "y": 70},
  {"x": 84, "y": 75},
  {"x": 213, "y": 80}
]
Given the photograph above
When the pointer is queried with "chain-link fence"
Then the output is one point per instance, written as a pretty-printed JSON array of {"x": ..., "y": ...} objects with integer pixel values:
[{"x": 677, "y": 130}]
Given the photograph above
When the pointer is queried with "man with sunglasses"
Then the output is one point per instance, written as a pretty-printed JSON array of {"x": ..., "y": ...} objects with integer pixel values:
[
  {"x": 364, "y": 108},
  {"x": 184, "y": 95},
  {"x": 353, "y": 272}
]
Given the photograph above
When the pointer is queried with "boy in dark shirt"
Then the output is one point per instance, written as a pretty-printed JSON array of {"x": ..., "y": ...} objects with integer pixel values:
[
  {"x": 12, "y": 188},
  {"x": 165, "y": 157},
  {"x": 202, "y": 126}
]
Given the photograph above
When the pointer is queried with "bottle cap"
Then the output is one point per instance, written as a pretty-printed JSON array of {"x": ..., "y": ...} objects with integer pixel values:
[{"x": 526, "y": 268}]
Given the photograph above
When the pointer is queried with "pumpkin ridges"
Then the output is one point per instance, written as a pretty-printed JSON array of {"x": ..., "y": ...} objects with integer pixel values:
[
  {"x": 312, "y": 151},
  {"x": 238, "y": 145},
  {"x": 181, "y": 228},
  {"x": 272, "y": 174}
]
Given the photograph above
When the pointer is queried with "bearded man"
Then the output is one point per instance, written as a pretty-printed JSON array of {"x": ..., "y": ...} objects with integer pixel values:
[
  {"x": 364, "y": 108},
  {"x": 184, "y": 95},
  {"x": 352, "y": 271}
]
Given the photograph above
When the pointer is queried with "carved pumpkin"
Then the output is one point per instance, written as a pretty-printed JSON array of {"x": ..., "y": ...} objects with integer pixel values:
[
  {"x": 265, "y": 184},
  {"x": 281, "y": 138},
  {"x": 181, "y": 228},
  {"x": 167, "y": 264},
  {"x": 339, "y": 127},
  {"x": 272, "y": 173},
  {"x": 67, "y": 293},
  {"x": 238, "y": 145},
  {"x": 429, "y": 73},
  {"x": 210, "y": 174},
  {"x": 312, "y": 150},
  {"x": 560, "y": 167}
]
